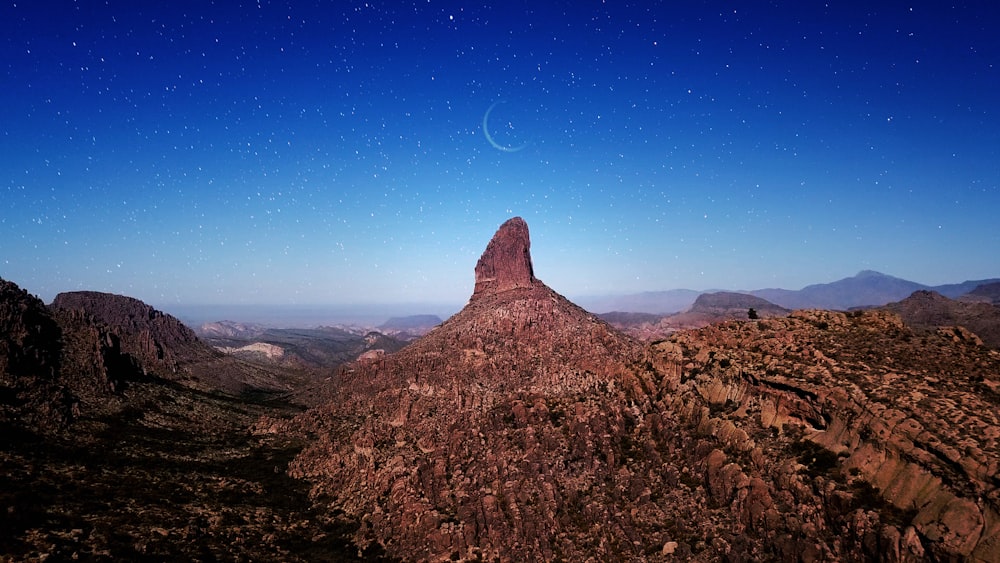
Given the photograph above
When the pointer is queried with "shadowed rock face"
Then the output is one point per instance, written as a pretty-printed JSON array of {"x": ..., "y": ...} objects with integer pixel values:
[
  {"x": 30, "y": 391},
  {"x": 506, "y": 263},
  {"x": 152, "y": 337}
]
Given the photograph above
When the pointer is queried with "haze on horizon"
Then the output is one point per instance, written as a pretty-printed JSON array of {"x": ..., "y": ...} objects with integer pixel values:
[{"x": 288, "y": 154}]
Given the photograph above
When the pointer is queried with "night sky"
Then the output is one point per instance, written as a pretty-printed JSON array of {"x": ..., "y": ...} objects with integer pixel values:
[{"x": 335, "y": 152}]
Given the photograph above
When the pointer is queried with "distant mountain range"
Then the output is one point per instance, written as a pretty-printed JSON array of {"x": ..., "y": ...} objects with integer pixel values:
[{"x": 866, "y": 289}]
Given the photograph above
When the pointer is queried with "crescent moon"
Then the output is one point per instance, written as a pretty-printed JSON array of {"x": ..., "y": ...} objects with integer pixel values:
[{"x": 486, "y": 131}]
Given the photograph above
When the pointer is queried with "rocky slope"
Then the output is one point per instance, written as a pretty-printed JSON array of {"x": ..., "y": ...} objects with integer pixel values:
[
  {"x": 986, "y": 293},
  {"x": 142, "y": 341},
  {"x": 899, "y": 430},
  {"x": 30, "y": 362},
  {"x": 150, "y": 336}
]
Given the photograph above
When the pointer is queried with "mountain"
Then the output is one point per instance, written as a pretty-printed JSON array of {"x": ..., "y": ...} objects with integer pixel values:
[
  {"x": 928, "y": 310},
  {"x": 525, "y": 428},
  {"x": 954, "y": 290},
  {"x": 157, "y": 344},
  {"x": 712, "y": 307},
  {"x": 865, "y": 289},
  {"x": 522, "y": 428},
  {"x": 985, "y": 293},
  {"x": 108, "y": 454},
  {"x": 229, "y": 330},
  {"x": 151, "y": 336},
  {"x": 488, "y": 432}
]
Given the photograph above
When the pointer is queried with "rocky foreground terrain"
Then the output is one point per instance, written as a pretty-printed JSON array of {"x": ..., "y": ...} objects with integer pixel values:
[{"x": 523, "y": 428}]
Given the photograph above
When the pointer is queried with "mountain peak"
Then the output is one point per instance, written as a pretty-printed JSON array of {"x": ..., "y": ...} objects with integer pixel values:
[
  {"x": 871, "y": 274},
  {"x": 506, "y": 262}
]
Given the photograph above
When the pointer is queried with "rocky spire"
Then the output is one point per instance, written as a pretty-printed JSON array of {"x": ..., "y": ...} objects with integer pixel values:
[{"x": 506, "y": 262}]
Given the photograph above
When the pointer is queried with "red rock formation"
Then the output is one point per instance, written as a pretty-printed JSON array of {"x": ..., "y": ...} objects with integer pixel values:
[
  {"x": 506, "y": 263},
  {"x": 157, "y": 340},
  {"x": 525, "y": 429},
  {"x": 500, "y": 434}
]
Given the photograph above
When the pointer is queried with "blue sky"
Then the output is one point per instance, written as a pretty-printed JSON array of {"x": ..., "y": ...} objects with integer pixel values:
[{"x": 293, "y": 152}]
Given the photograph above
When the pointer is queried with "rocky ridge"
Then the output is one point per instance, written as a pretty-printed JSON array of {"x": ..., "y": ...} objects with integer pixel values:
[
  {"x": 151, "y": 336},
  {"x": 30, "y": 362},
  {"x": 927, "y": 310}
]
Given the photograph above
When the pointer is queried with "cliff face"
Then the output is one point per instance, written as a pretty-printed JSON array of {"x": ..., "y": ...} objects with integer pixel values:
[
  {"x": 155, "y": 339},
  {"x": 506, "y": 263},
  {"x": 81, "y": 354},
  {"x": 136, "y": 340}
]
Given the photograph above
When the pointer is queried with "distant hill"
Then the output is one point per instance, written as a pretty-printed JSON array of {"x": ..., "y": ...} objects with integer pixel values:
[
  {"x": 707, "y": 309},
  {"x": 866, "y": 289},
  {"x": 230, "y": 329},
  {"x": 734, "y": 305},
  {"x": 413, "y": 324},
  {"x": 656, "y": 302},
  {"x": 928, "y": 310},
  {"x": 323, "y": 347},
  {"x": 985, "y": 293}
]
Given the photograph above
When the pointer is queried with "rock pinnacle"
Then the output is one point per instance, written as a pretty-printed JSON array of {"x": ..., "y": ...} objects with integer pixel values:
[{"x": 506, "y": 262}]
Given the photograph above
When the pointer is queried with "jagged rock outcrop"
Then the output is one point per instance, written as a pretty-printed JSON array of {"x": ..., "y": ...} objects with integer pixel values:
[
  {"x": 139, "y": 341},
  {"x": 80, "y": 354},
  {"x": 506, "y": 263}
]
